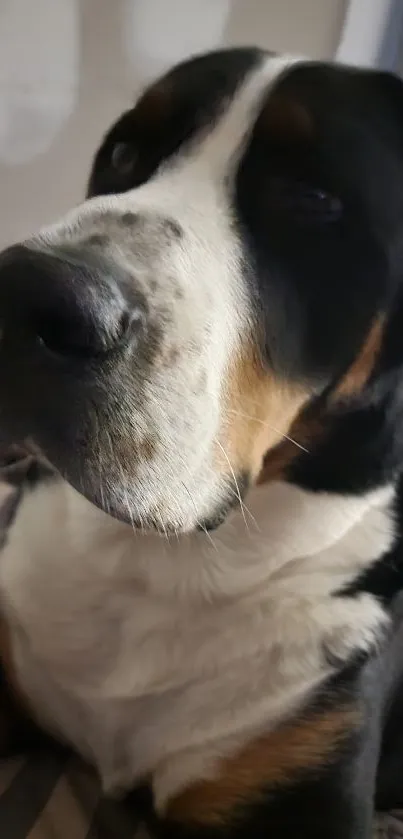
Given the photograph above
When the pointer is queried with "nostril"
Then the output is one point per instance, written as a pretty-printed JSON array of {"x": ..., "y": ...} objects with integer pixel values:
[
  {"x": 61, "y": 341},
  {"x": 69, "y": 304},
  {"x": 68, "y": 338}
]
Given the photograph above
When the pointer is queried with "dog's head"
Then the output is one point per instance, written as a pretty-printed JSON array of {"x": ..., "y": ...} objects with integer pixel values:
[{"x": 233, "y": 280}]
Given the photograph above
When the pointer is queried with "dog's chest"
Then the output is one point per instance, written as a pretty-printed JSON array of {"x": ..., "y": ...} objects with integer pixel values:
[{"x": 156, "y": 658}]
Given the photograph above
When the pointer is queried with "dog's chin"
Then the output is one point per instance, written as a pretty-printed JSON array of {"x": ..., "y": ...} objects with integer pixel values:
[
  {"x": 149, "y": 523},
  {"x": 121, "y": 506},
  {"x": 119, "y": 501}
]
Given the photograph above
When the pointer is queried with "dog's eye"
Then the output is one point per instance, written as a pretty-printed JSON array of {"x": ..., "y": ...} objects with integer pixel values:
[
  {"x": 304, "y": 203},
  {"x": 123, "y": 158}
]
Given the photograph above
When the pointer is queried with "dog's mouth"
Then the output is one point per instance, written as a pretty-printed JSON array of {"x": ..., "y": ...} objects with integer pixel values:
[
  {"x": 62, "y": 436},
  {"x": 26, "y": 462}
]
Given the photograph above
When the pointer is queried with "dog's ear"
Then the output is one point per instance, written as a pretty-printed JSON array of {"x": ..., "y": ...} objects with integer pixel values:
[
  {"x": 327, "y": 125},
  {"x": 320, "y": 200},
  {"x": 350, "y": 437},
  {"x": 340, "y": 300}
]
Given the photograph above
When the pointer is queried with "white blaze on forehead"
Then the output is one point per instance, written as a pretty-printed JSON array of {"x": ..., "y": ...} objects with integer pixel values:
[{"x": 224, "y": 144}]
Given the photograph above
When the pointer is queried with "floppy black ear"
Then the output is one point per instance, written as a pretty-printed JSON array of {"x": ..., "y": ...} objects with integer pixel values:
[
  {"x": 320, "y": 199},
  {"x": 320, "y": 193},
  {"x": 353, "y": 432}
]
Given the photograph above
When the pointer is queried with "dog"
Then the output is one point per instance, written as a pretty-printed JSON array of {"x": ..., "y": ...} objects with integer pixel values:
[{"x": 201, "y": 590}]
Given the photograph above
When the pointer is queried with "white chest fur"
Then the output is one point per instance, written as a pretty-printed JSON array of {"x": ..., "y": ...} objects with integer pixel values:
[{"x": 158, "y": 657}]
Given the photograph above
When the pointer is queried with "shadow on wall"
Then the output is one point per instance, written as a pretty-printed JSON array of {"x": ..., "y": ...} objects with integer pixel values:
[
  {"x": 40, "y": 59},
  {"x": 68, "y": 68}
]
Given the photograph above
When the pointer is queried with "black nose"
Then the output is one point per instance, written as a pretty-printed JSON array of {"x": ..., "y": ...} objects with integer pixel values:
[{"x": 67, "y": 302}]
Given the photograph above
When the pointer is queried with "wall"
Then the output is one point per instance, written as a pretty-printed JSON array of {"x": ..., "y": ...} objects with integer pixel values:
[{"x": 69, "y": 67}]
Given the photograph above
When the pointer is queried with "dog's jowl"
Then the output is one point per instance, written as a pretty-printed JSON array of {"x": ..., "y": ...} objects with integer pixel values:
[{"x": 201, "y": 591}]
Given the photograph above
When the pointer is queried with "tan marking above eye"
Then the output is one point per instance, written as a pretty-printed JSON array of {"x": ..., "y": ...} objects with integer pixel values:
[
  {"x": 274, "y": 760},
  {"x": 286, "y": 120},
  {"x": 154, "y": 104}
]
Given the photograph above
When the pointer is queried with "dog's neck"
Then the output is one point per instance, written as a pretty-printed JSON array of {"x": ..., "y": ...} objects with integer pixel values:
[
  {"x": 101, "y": 617},
  {"x": 279, "y": 525}
]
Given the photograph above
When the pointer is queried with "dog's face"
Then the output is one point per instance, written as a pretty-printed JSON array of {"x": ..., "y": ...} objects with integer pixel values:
[{"x": 238, "y": 249}]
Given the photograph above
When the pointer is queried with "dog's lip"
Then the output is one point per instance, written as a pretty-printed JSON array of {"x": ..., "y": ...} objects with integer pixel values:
[{"x": 27, "y": 451}]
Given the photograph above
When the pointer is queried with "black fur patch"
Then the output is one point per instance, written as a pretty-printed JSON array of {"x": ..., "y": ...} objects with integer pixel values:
[
  {"x": 319, "y": 211},
  {"x": 333, "y": 801},
  {"x": 196, "y": 91},
  {"x": 321, "y": 247}
]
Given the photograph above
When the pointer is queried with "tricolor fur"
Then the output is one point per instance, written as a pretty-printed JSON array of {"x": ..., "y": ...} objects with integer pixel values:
[{"x": 208, "y": 352}]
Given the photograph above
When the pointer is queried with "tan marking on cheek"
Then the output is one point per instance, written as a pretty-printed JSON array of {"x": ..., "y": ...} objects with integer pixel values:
[
  {"x": 311, "y": 425},
  {"x": 257, "y": 412},
  {"x": 360, "y": 370},
  {"x": 275, "y": 760},
  {"x": 306, "y": 429}
]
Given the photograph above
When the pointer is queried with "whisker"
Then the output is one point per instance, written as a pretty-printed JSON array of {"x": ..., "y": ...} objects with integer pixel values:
[
  {"x": 105, "y": 505},
  {"x": 272, "y": 428},
  {"x": 245, "y": 507},
  {"x": 199, "y": 524},
  {"x": 238, "y": 492},
  {"x": 129, "y": 510},
  {"x": 161, "y": 520}
]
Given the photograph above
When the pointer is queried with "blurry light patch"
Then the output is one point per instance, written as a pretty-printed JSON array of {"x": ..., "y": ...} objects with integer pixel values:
[
  {"x": 39, "y": 65},
  {"x": 159, "y": 33}
]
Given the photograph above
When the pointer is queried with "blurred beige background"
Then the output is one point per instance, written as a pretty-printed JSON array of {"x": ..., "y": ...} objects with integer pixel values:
[{"x": 69, "y": 67}]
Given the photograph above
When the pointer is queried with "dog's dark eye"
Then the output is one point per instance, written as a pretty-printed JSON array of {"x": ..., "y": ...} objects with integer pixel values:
[
  {"x": 306, "y": 204},
  {"x": 123, "y": 158}
]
